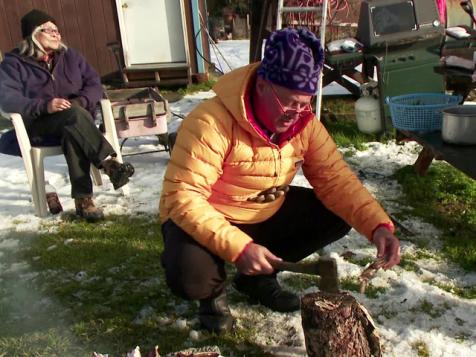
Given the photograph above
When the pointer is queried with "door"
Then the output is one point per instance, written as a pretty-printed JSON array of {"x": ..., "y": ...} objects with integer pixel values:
[{"x": 152, "y": 32}]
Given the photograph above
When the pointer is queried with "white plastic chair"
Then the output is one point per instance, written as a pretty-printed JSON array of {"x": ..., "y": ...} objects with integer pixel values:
[{"x": 33, "y": 157}]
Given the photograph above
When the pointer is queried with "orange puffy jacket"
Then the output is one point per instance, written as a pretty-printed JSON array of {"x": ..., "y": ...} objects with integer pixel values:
[{"x": 219, "y": 161}]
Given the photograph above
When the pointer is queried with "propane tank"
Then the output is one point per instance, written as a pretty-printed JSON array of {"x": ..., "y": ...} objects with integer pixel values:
[{"x": 367, "y": 110}]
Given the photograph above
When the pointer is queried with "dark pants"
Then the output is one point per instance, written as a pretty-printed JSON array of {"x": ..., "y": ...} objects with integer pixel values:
[
  {"x": 82, "y": 142},
  {"x": 300, "y": 227}
]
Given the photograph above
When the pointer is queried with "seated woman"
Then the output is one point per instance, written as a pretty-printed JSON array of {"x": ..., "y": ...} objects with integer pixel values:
[{"x": 56, "y": 91}]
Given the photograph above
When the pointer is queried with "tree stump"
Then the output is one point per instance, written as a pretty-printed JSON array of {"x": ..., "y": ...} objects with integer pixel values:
[{"x": 337, "y": 325}]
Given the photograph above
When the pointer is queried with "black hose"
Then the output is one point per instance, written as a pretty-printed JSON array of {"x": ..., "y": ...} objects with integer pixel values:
[{"x": 201, "y": 55}]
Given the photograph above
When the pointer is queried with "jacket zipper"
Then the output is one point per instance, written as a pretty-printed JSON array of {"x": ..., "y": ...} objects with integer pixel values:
[
  {"x": 277, "y": 162},
  {"x": 38, "y": 66}
]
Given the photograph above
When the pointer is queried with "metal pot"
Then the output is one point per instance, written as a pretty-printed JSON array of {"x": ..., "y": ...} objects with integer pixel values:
[{"x": 459, "y": 125}]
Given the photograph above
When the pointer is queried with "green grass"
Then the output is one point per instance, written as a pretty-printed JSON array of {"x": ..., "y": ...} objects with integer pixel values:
[
  {"x": 408, "y": 263},
  {"x": 371, "y": 291},
  {"x": 421, "y": 348},
  {"x": 87, "y": 294},
  {"x": 339, "y": 118},
  {"x": 340, "y": 106},
  {"x": 446, "y": 198},
  {"x": 175, "y": 93},
  {"x": 434, "y": 311},
  {"x": 346, "y": 134},
  {"x": 466, "y": 292},
  {"x": 302, "y": 282},
  {"x": 387, "y": 313},
  {"x": 205, "y": 86},
  {"x": 361, "y": 261}
]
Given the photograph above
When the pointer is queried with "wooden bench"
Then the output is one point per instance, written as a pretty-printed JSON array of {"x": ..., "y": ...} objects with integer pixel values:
[
  {"x": 150, "y": 75},
  {"x": 462, "y": 157}
]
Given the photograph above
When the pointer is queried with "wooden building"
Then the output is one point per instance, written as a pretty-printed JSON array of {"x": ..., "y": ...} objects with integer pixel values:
[{"x": 161, "y": 38}]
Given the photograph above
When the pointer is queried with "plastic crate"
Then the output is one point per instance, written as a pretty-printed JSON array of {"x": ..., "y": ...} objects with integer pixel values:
[{"x": 420, "y": 111}]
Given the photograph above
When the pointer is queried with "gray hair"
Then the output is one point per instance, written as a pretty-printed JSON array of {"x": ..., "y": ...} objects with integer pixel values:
[{"x": 30, "y": 47}]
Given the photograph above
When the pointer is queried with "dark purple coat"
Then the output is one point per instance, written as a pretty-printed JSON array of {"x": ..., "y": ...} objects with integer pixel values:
[{"x": 26, "y": 87}]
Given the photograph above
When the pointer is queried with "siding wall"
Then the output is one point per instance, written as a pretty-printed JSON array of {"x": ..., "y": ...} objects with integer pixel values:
[{"x": 86, "y": 25}]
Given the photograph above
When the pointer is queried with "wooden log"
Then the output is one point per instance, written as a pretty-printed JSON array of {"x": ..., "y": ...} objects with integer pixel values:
[{"x": 337, "y": 325}]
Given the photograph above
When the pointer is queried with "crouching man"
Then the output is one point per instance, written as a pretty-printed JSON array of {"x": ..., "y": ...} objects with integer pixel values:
[{"x": 226, "y": 194}]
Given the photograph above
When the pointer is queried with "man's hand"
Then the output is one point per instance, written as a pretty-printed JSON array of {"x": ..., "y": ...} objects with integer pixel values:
[
  {"x": 256, "y": 260},
  {"x": 388, "y": 247},
  {"x": 57, "y": 105}
]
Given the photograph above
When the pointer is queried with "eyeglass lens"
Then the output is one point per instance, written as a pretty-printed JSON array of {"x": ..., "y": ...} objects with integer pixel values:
[
  {"x": 291, "y": 112},
  {"x": 50, "y": 31}
]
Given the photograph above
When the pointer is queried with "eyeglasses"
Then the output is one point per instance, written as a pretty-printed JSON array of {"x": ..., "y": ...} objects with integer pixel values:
[
  {"x": 50, "y": 31},
  {"x": 291, "y": 113}
]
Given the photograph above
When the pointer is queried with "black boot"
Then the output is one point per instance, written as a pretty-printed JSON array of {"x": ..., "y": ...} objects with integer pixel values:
[
  {"x": 267, "y": 291},
  {"x": 214, "y": 314},
  {"x": 118, "y": 173}
]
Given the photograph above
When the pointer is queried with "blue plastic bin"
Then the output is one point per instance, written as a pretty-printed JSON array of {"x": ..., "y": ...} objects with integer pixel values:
[{"x": 420, "y": 111}]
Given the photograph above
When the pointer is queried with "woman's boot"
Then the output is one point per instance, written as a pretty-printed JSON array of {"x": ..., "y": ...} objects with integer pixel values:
[
  {"x": 118, "y": 173},
  {"x": 85, "y": 208}
]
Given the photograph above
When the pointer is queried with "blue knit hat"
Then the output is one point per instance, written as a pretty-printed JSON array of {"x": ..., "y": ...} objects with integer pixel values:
[{"x": 293, "y": 58}]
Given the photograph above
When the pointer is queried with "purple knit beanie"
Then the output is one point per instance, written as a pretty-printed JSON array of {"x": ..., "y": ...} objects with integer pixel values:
[{"x": 293, "y": 58}]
